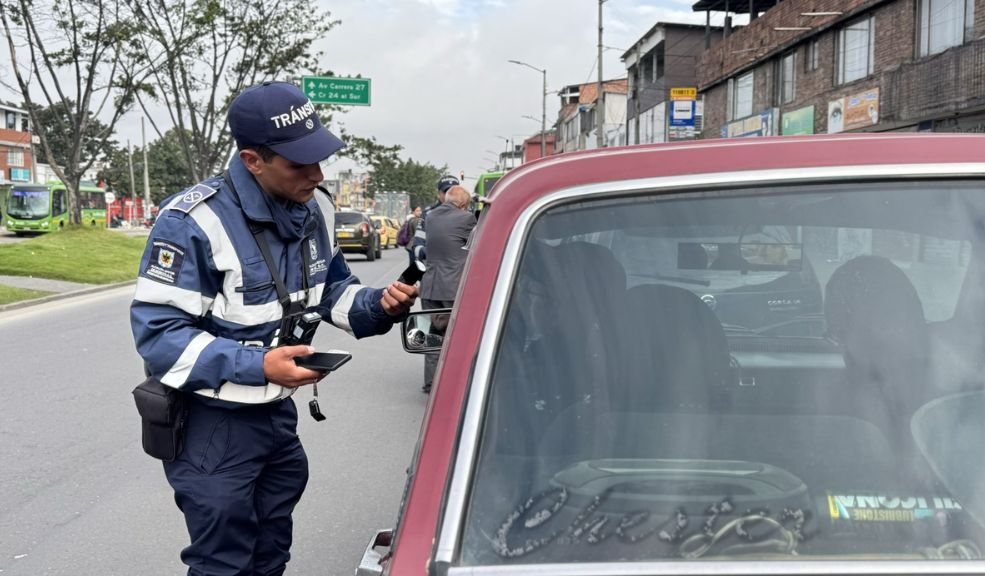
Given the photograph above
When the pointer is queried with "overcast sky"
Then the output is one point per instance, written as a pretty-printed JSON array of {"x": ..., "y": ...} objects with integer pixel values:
[{"x": 442, "y": 86}]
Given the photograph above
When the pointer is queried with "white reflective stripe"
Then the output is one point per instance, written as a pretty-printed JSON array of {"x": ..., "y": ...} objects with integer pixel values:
[
  {"x": 340, "y": 312},
  {"x": 328, "y": 213},
  {"x": 186, "y": 300},
  {"x": 244, "y": 394},
  {"x": 229, "y": 304},
  {"x": 420, "y": 234},
  {"x": 178, "y": 374},
  {"x": 315, "y": 293}
]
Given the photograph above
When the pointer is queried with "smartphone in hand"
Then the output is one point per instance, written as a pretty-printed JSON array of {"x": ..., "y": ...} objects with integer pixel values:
[
  {"x": 413, "y": 274},
  {"x": 323, "y": 361}
]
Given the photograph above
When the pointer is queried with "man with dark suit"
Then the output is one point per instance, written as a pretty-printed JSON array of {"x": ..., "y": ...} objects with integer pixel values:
[{"x": 448, "y": 228}]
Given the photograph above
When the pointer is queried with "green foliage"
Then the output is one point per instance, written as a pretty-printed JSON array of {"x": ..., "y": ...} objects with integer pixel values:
[
  {"x": 390, "y": 173},
  {"x": 56, "y": 122},
  {"x": 76, "y": 254},
  {"x": 167, "y": 168},
  {"x": 205, "y": 52},
  {"x": 80, "y": 60}
]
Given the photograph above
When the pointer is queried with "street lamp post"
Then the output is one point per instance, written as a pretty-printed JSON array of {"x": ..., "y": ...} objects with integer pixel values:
[
  {"x": 600, "y": 92},
  {"x": 543, "y": 106}
]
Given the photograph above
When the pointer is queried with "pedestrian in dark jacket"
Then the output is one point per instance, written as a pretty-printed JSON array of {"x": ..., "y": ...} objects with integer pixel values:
[{"x": 448, "y": 228}]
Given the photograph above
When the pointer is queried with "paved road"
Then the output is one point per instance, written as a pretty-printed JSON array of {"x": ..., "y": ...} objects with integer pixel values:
[{"x": 79, "y": 497}]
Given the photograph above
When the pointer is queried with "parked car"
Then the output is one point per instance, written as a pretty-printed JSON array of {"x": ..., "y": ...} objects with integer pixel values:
[
  {"x": 355, "y": 232},
  {"x": 595, "y": 413},
  {"x": 387, "y": 229}
]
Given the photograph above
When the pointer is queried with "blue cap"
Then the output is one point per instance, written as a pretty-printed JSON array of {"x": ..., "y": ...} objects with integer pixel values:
[
  {"x": 279, "y": 116},
  {"x": 446, "y": 182}
]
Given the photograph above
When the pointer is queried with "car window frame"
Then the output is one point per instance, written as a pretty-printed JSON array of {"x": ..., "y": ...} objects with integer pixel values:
[{"x": 451, "y": 522}]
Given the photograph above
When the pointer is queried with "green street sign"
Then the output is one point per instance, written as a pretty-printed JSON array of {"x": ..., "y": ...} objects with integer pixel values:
[{"x": 331, "y": 90}]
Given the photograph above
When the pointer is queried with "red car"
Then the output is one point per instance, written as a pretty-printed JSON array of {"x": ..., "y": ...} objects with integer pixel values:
[{"x": 735, "y": 356}]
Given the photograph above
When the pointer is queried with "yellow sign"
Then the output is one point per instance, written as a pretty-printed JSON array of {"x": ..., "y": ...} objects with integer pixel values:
[{"x": 683, "y": 93}]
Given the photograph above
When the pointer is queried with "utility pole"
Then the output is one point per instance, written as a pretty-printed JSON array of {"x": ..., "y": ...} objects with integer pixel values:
[
  {"x": 600, "y": 95},
  {"x": 143, "y": 136},
  {"x": 133, "y": 186}
]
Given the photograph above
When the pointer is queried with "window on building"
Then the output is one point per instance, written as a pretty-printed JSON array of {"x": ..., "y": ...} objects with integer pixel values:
[
  {"x": 786, "y": 78},
  {"x": 945, "y": 23},
  {"x": 856, "y": 43},
  {"x": 813, "y": 55},
  {"x": 646, "y": 65},
  {"x": 740, "y": 96},
  {"x": 658, "y": 62},
  {"x": 11, "y": 120},
  {"x": 15, "y": 157}
]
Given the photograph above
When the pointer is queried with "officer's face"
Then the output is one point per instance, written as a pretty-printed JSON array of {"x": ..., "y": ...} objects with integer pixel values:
[{"x": 282, "y": 178}]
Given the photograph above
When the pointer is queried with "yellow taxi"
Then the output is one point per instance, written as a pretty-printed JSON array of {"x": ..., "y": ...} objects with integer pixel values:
[{"x": 388, "y": 230}]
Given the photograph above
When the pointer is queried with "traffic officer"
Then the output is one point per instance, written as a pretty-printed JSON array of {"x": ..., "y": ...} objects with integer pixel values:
[
  {"x": 420, "y": 235},
  {"x": 205, "y": 313}
]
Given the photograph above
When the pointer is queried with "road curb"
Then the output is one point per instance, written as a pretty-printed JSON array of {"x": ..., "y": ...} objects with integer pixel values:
[{"x": 64, "y": 295}]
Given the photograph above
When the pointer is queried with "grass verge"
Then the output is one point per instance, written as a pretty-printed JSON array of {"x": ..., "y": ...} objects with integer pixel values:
[
  {"x": 10, "y": 294},
  {"x": 76, "y": 254}
]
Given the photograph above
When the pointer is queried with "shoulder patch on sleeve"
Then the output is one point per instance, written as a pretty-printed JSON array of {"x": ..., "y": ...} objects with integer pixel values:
[
  {"x": 165, "y": 262},
  {"x": 193, "y": 197}
]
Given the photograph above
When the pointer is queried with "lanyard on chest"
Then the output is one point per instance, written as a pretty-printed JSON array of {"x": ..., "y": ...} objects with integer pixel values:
[{"x": 283, "y": 296}]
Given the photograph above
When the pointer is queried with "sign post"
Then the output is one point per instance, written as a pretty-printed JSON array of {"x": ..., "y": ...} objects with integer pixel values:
[
  {"x": 332, "y": 90},
  {"x": 683, "y": 111}
]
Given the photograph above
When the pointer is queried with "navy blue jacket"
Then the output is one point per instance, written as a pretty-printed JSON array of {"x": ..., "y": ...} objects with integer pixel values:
[
  {"x": 206, "y": 305},
  {"x": 419, "y": 244}
]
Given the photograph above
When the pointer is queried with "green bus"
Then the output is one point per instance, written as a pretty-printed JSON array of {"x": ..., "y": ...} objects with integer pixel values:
[
  {"x": 44, "y": 207},
  {"x": 486, "y": 181}
]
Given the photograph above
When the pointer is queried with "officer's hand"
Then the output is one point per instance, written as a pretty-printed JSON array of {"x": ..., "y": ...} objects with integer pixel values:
[
  {"x": 398, "y": 298},
  {"x": 279, "y": 367}
]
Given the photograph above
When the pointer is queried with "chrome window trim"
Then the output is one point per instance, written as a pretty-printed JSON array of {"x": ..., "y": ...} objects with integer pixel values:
[
  {"x": 467, "y": 451},
  {"x": 735, "y": 568}
]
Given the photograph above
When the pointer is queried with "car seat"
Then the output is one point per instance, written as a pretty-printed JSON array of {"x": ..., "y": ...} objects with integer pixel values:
[
  {"x": 560, "y": 346},
  {"x": 680, "y": 359},
  {"x": 873, "y": 312}
]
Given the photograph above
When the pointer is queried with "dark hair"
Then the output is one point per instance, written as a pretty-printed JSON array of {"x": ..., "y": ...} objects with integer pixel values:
[{"x": 265, "y": 154}]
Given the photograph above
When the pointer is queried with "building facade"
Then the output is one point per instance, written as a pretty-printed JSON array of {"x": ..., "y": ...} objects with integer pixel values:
[
  {"x": 829, "y": 66},
  {"x": 16, "y": 152},
  {"x": 576, "y": 126},
  {"x": 663, "y": 59}
]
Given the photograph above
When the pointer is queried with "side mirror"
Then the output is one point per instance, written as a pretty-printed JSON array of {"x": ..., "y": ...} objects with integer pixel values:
[{"x": 424, "y": 332}]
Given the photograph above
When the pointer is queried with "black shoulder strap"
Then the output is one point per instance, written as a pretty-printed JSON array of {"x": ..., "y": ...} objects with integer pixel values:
[{"x": 261, "y": 239}]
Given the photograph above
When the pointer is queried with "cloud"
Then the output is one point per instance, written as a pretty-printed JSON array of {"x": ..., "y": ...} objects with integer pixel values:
[{"x": 442, "y": 86}]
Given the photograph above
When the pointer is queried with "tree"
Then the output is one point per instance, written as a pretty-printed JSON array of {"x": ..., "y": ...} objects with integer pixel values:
[
  {"x": 167, "y": 170},
  {"x": 61, "y": 141},
  {"x": 207, "y": 51},
  {"x": 390, "y": 173},
  {"x": 80, "y": 59}
]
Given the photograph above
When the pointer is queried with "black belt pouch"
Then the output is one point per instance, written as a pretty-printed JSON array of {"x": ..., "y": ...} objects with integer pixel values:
[{"x": 162, "y": 412}]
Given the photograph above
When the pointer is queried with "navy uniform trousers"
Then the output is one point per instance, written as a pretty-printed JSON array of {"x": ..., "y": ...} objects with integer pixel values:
[{"x": 237, "y": 481}]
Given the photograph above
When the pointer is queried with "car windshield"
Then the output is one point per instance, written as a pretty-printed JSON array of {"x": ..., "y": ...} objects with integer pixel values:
[
  {"x": 769, "y": 374},
  {"x": 28, "y": 202},
  {"x": 348, "y": 218}
]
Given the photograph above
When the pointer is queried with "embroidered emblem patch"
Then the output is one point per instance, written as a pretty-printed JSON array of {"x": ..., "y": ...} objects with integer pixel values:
[
  {"x": 165, "y": 261},
  {"x": 193, "y": 197}
]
